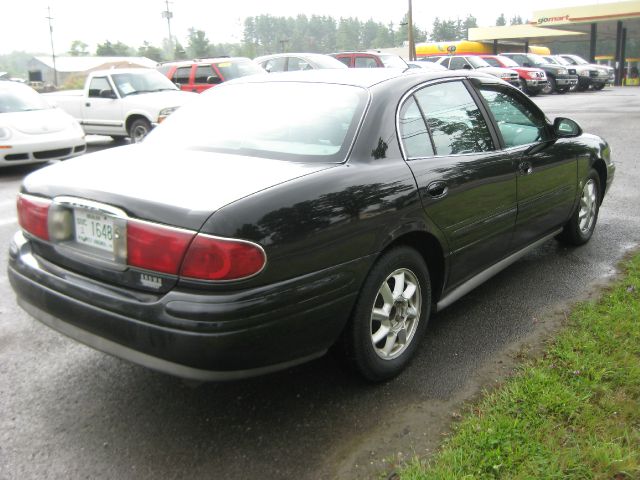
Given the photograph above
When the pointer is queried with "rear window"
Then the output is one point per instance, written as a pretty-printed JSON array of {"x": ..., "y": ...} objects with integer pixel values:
[{"x": 283, "y": 120}]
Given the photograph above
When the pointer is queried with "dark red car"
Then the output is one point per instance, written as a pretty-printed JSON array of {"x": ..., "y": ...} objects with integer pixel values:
[
  {"x": 202, "y": 74},
  {"x": 533, "y": 80},
  {"x": 370, "y": 60}
]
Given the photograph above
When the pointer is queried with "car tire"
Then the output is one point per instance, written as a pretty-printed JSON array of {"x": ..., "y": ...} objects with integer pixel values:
[
  {"x": 562, "y": 91},
  {"x": 532, "y": 93},
  {"x": 139, "y": 129},
  {"x": 550, "y": 87},
  {"x": 599, "y": 86},
  {"x": 390, "y": 315},
  {"x": 579, "y": 229},
  {"x": 118, "y": 138}
]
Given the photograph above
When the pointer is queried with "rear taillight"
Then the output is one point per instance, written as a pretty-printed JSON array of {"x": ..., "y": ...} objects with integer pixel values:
[
  {"x": 155, "y": 247},
  {"x": 213, "y": 258},
  {"x": 33, "y": 215}
]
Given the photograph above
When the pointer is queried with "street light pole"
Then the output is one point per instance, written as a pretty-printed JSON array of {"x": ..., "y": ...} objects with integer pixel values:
[
  {"x": 168, "y": 14},
  {"x": 412, "y": 43},
  {"x": 53, "y": 52}
]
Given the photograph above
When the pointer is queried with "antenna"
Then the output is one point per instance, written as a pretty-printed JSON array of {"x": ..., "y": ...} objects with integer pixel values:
[
  {"x": 168, "y": 14},
  {"x": 53, "y": 52}
]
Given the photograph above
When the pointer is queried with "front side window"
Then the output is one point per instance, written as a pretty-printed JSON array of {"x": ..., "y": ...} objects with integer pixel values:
[
  {"x": 277, "y": 64},
  {"x": 458, "y": 63},
  {"x": 203, "y": 72},
  {"x": 97, "y": 84},
  {"x": 366, "y": 62},
  {"x": 454, "y": 120},
  {"x": 296, "y": 63},
  {"x": 519, "y": 123}
]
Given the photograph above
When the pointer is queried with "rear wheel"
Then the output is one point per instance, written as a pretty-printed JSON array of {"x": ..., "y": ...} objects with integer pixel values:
[
  {"x": 390, "y": 315},
  {"x": 579, "y": 229},
  {"x": 139, "y": 129}
]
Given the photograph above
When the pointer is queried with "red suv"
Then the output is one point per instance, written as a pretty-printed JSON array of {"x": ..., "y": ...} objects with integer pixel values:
[
  {"x": 533, "y": 80},
  {"x": 201, "y": 74},
  {"x": 370, "y": 60}
]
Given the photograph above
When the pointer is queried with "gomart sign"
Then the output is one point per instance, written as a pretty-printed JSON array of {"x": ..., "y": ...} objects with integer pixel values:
[{"x": 564, "y": 18}]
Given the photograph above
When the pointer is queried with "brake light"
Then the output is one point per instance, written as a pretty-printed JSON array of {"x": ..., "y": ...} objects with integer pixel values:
[
  {"x": 212, "y": 258},
  {"x": 33, "y": 215},
  {"x": 156, "y": 247}
]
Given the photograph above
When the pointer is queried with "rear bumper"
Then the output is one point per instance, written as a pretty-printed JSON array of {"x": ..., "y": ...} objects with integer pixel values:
[{"x": 196, "y": 335}]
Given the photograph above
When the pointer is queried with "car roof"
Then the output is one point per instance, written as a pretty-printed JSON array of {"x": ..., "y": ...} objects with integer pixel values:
[
  {"x": 292, "y": 54},
  {"x": 359, "y": 77},
  {"x": 184, "y": 63}
]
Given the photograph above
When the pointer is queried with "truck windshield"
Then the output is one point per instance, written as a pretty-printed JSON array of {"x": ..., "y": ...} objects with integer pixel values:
[{"x": 143, "y": 81}]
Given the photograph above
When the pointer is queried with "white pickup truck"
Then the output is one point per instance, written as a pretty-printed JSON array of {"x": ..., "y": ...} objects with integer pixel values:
[{"x": 122, "y": 102}]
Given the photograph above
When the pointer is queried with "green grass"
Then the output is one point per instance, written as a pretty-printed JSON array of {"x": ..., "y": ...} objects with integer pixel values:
[{"x": 572, "y": 414}]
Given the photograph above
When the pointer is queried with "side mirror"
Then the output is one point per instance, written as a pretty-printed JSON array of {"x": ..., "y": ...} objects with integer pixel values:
[
  {"x": 107, "y": 93},
  {"x": 566, "y": 128},
  {"x": 213, "y": 80}
]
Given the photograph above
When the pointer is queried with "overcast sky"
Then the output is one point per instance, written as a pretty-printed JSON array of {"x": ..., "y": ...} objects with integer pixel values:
[{"x": 25, "y": 28}]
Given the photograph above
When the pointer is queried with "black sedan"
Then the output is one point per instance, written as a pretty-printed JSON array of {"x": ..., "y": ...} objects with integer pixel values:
[{"x": 277, "y": 217}]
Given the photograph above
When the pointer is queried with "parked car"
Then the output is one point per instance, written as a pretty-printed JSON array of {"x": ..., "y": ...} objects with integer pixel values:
[
  {"x": 473, "y": 62},
  {"x": 590, "y": 75},
  {"x": 32, "y": 130},
  {"x": 289, "y": 62},
  {"x": 370, "y": 60},
  {"x": 343, "y": 211},
  {"x": 532, "y": 80},
  {"x": 121, "y": 102},
  {"x": 203, "y": 73},
  {"x": 559, "y": 79},
  {"x": 426, "y": 65}
]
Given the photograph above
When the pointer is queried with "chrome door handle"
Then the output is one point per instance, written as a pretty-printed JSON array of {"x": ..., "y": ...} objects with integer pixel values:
[{"x": 437, "y": 189}]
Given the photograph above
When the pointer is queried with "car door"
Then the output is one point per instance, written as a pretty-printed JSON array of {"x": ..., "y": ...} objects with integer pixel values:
[
  {"x": 547, "y": 168},
  {"x": 102, "y": 109},
  {"x": 467, "y": 187}
]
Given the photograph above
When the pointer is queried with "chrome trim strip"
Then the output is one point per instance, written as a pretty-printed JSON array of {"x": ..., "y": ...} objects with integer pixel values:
[
  {"x": 485, "y": 275},
  {"x": 154, "y": 363}
]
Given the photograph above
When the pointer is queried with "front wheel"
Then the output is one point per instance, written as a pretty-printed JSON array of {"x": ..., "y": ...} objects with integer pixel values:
[
  {"x": 139, "y": 129},
  {"x": 550, "y": 87},
  {"x": 390, "y": 315},
  {"x": 579, "y": 229},
  {"x": 599, "y": 86}
]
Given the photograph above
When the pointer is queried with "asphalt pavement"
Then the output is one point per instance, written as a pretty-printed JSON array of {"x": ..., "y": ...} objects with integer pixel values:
[{"x": 67, "y": 411}]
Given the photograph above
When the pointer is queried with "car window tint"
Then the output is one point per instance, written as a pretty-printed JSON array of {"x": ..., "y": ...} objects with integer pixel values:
[
  {"x": 203, "y": 72},
  {"x": 445, "y": 62},
  {"x": 458, "y": 63},
  {"x": 97, "y": 84},
  {"x": 296, "y": 63},
  {"x": 230, "y": 69},
  {"x": 455, "y": 121},
  {"x": 518, "y": 123},
  {"x": 366, "y": 62},
  {"x": 182, "y": 75},
  {"x": 413, "y": 131},
  {"x": 345, "y": 60}
]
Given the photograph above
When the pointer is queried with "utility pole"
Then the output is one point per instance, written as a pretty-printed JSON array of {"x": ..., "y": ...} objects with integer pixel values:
[
  {"x": 53, "y": 52},
  {"x": 168, "y": 14},
  {"x": 412, "y": 43}
]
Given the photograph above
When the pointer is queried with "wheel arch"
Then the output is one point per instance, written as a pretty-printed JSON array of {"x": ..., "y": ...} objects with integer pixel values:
[
  {"x": 133, "y": 117},
  {"x": 429, "y": 247},
  {"x": 599, "y": 166}
]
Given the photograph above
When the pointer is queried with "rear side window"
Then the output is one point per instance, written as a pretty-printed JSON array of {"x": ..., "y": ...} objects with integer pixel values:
[
  {"x": 454, "y": 120},
  {"x": 413, "y": 131},
  {"x": 518, "y": 122},
  {"x": 345, "y": 60},
  {"x": 181, "y": 75}
]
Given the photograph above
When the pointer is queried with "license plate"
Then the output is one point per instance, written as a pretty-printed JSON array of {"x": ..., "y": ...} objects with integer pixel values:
[{"x": 94, "y": 229}]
